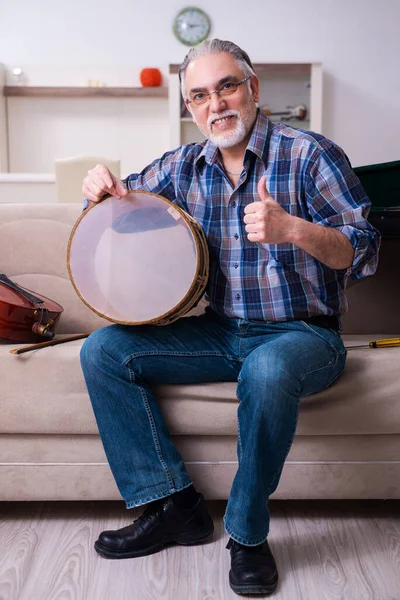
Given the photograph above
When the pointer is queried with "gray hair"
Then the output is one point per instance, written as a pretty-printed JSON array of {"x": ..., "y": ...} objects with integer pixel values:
[{"x": 216, "y": 46}]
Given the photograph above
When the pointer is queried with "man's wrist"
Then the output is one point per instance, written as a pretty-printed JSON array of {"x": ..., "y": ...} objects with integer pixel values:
[{"x": 297, "y": 230}]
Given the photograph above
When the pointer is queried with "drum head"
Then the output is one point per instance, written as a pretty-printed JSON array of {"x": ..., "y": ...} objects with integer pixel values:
[{"x": 133, "y": 260}]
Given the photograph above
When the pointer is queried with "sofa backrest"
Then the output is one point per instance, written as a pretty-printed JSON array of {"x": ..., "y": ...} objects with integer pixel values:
[{"x": 33, "y": 251}]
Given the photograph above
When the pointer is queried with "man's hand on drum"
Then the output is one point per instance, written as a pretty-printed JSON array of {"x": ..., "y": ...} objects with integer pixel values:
[{"x": 99, "y": 182}]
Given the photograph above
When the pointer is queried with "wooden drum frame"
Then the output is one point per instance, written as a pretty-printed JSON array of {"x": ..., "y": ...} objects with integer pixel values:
[{"x": 109, "y": 236}]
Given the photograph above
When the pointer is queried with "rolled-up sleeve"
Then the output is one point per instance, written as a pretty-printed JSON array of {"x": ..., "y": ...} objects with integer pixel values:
[
  {"x": 155, "y": 178},
  {"x": 336, "y": 198}
]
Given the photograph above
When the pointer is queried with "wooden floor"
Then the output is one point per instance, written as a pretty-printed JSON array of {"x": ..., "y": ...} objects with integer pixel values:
[{"x": 324, "y": 551}]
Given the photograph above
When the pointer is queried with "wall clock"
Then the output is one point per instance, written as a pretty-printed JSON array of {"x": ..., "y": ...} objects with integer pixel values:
[{"x": 191, "y": 26}]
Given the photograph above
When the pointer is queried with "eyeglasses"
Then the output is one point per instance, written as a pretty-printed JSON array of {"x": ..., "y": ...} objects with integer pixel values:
[{"x": 225, "y": 90}]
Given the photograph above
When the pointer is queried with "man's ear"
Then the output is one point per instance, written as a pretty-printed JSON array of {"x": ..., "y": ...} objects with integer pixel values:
[
  {"x": 190, "y": 110},
  {"x": 255, "y": 88}
]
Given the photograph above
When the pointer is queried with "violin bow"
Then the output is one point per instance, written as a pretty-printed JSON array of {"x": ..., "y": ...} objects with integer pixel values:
[{"x": 23, "y": 349}]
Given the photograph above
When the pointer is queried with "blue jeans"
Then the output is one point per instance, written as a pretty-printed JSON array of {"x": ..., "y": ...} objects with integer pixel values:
[{"x": 275, "y": 364}]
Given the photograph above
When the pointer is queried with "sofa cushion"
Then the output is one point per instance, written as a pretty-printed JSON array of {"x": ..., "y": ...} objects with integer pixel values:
[{"x": 44, "y": 392}]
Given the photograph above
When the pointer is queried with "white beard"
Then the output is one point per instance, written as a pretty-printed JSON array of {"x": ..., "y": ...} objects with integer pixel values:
[{"x": 231, "y": 138}]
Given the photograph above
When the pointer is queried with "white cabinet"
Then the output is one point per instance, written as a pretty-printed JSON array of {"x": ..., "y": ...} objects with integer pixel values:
[{"x": 281, "y": 85}]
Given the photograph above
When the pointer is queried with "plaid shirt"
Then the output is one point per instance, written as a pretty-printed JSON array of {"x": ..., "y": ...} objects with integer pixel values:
[{"x": 310, "y": 177}]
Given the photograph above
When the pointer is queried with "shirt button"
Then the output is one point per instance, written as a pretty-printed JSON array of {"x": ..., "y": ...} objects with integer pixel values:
[
  {"x": 236, "y": 236},
  {"x": 233, "y": 204},
  {"x": 237, "y": 296},
  {"x": 236, "y": 265}
]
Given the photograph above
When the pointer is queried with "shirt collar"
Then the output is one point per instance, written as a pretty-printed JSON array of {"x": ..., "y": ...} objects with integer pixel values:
[
  {"x": 258, "y": 143},
  {"x": 260, "y": 137}
]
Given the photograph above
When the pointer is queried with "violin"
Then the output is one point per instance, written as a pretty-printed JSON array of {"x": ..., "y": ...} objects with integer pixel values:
[{"x": 26, "y": 316}]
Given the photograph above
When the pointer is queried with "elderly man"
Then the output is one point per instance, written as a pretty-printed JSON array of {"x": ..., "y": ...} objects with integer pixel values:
[{"x": 285, "y": 220}]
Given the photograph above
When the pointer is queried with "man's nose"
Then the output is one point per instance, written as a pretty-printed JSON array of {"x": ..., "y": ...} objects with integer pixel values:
[{"x": 217, "y": 103}]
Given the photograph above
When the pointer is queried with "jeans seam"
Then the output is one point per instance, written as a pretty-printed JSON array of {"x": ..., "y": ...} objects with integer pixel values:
[
  {"x": 175, "y": 353},
  {"x": 240, "y": 456},
  {"x": 155, "y": 436},
  {"x": 240, "y": 443},
  {"x": 153, "y": 428}
]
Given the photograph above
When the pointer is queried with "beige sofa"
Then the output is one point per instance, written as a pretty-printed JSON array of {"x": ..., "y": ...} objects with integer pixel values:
[{"x": 347, "y": 443}]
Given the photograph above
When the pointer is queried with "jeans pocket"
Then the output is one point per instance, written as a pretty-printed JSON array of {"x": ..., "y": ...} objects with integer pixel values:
[{"x": 330, "y": 336}]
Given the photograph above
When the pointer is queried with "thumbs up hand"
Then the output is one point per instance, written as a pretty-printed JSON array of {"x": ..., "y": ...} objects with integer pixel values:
[{"x": 266, "y": 221}]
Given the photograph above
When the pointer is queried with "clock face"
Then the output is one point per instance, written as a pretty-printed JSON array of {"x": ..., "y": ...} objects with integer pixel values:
[{"x": 191, "y": 26}]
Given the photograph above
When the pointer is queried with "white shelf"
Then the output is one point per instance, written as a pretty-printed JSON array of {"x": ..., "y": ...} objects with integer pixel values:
[
  {"x": 304, "y": 124},
  {"x": 82, "y": 92}
]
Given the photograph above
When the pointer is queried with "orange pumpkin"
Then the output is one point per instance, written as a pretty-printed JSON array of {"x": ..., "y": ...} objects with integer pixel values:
[{"x": 150, "y": 77}]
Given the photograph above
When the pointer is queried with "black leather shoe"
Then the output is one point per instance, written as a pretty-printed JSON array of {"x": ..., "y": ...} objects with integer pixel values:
[
  {"x": 161, "y": 523},
  {"x": 253, "y": 569}
]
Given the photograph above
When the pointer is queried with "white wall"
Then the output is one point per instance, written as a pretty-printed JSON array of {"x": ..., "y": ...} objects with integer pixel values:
[
  {"x": 132, "y": 130},
  {"x": 357, "y": 41}
]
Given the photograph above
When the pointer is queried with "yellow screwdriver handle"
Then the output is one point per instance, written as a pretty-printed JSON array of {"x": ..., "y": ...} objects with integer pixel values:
[{"x": 385, "y": 343}]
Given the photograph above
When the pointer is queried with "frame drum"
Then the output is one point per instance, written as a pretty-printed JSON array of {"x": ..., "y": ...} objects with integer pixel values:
[{"x": 139, "y": 259}]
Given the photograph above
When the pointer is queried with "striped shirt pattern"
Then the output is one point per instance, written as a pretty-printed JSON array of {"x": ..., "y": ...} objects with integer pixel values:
[{"x": 311, "y": 178}]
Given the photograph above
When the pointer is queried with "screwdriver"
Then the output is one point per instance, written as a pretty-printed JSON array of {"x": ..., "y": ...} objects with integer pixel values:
[{"x": 378, "y": 344}]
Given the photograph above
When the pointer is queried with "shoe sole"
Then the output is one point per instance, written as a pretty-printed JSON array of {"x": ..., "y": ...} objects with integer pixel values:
[
  {"x": 254, "y": 589},
  {"x": 182, "y": 540}
]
